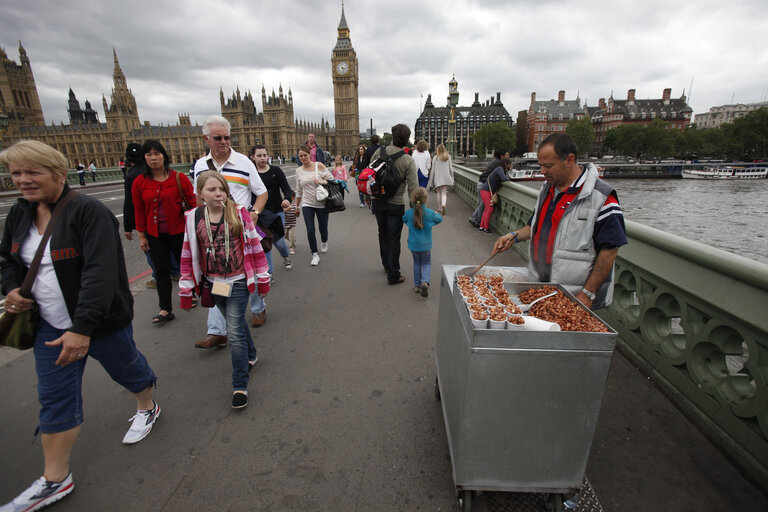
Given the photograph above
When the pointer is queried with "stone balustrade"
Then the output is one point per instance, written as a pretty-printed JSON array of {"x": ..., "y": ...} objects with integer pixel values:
[{"x": 692, "y": 317}]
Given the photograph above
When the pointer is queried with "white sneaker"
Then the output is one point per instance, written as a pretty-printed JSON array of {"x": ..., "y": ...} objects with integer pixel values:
[
  {"x": 141, "y": 424},
  {"x": 362, "y": 205},
  {"x": 40, "y": 494},
  {"x": 287, "y": 263},
  {"x": 315, "y": 259},
  {"x": 324, "y": 247},
  {"x": 292, "y": 251}
]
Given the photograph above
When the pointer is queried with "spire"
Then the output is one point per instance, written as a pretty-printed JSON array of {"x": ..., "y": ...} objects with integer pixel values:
[
  {"x": 117, "y": 75},
  {"x": 343, "y": 22}
]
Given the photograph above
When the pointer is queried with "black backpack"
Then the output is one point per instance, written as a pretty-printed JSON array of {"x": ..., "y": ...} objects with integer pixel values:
[{"x": 387, "y": 180}]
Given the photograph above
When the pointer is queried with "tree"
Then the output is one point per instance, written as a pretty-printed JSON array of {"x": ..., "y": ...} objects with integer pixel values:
[
  {"x": 386, "y": 139},
  {"x": 492, "y": 136},
  {"x": 659, "y": 139},
  {"x": 582, "y": 132}
]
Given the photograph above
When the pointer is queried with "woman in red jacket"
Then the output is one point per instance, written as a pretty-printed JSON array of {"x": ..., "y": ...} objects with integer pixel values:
[{"x": 157, "y": 199}]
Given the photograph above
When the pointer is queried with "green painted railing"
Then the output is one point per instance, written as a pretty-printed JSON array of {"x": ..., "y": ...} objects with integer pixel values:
[{"x": 692, "y": 317}]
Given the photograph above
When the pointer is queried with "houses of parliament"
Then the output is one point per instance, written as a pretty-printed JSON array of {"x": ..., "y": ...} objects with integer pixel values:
[{"x": 87, "y": 138}]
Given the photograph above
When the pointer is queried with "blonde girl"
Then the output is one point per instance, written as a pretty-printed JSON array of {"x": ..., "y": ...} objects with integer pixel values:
[
  {"x": 420, "y": 220},
  {"x": 222, "y": 251},
  {"x": 441, "y": 176},
  {"x": 339, "y": 169}
]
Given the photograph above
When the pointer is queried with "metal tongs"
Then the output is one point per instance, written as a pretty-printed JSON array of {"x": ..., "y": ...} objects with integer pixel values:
[
  {"x": 525, "y": 307},
  {"x": 494, "y": 253}
]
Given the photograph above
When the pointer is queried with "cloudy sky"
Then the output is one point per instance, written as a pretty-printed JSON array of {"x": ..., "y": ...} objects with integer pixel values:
[{"x": 176, "y": 55}]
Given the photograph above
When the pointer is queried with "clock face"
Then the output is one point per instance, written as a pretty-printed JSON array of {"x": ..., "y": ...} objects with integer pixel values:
[{"x": 342, "y": 68}]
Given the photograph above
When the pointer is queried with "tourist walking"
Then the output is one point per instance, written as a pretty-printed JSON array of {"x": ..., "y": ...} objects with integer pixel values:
[
  {"x": 92, "y": 168},
  {"x": 489, "y": 189},
  {"x": 389, "y": 212},
  {"x": 223, "y": 250},
  {"x": 420, "y": 220},
  {"x": 290, "y": 227},
  {"x": 247, "y": 190},
  {"x": 279, "y": 195},
  {"x": 158, "y": 196},
  {"x": 441, "y": 176},
  {"x": 477, "y": 215},
  {"x": 339, "y": 169},
  {"x": 81, "y": 173},
  {"x": 85, "y": 304},
  {"x": 309, "y": 176},
  {"x": 357, "y": 168},
  {"x": 423, "y": 161}
]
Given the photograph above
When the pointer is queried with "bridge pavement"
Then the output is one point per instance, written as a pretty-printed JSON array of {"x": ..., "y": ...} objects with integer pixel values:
[{"x": 342, "y": 414}]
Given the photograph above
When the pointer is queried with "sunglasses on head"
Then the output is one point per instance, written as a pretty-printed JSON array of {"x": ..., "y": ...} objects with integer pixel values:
[{"x": 218, "y": 138}]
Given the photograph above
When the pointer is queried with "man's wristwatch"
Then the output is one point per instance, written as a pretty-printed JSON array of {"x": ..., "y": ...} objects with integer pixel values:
[{"x": 589, "y": 294}]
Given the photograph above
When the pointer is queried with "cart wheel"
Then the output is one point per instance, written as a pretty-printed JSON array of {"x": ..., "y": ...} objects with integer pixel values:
[
  {"x": 465, "y": 500},
  {"x": 554, "y": 502},
  {"x": 437, "y": 390}
]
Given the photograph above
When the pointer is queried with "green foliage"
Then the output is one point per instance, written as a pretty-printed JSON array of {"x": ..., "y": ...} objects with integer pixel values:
[
  {"x": 746, "y": 139},
  {"x": 385, "y": 140},
  {"x": 491, "y": 136},
  {"x": 581, "y": 131}
]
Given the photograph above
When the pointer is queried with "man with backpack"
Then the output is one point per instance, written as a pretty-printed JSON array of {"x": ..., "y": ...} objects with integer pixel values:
[{"x": 389, "y": 207}]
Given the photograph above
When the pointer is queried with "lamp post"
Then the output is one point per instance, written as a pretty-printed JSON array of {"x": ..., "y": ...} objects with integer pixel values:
[{"x": 453, "y": 101}]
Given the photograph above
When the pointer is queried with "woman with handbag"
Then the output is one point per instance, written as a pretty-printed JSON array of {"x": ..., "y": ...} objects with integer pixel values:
[
  {"x": 441, "y": 176},
  {"x": 223, "y": 259},
  {"x": 160, "y": 198},
  {"x": 310, "y": 197},
  {"x": 357, "y": 167},
  {"x": 489, "y": 189},
  {"x": 70, "y": 245}
]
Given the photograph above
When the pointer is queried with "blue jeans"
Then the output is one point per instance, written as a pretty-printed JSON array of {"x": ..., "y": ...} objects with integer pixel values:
[
  {"x": 217, "y": 325},
  {"x": 282, "y": 247},
  {"x": 422, "y": 267},
  {"x": 59, "y": 389},
  {"x": 389, "y": 218},
  {"x": 309, "y": 221},
  {"x": 241, "y": 345},
  {"x": 477, "y": 215}
]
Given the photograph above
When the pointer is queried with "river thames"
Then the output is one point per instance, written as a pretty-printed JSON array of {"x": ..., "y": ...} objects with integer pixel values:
[{"x": 728, "y": 214}]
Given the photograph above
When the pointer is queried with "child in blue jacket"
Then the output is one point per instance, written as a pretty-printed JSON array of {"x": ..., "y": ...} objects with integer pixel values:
[{"x": 420, "y": 220}]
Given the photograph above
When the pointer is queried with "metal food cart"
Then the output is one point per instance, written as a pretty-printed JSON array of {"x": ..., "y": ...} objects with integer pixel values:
[{"x": 520, "y": 407}]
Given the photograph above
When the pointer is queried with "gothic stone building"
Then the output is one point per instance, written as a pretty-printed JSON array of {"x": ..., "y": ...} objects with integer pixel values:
[
  {"x": 87, "y": 138},
  {"x": 432, "y": 124}
]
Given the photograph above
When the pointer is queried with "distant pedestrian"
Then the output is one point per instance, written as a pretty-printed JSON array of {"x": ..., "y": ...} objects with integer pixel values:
[
  {"x": 339, "y": 169},
  {"x": 441, "y": 176},
  {"x": 81, "y": 173},
  {"x": 316, "y": 152},
  {"x": 309, "y": 176},
  {"x": 357, "y": 168},
  {"x": 85, "y": 307},
  {"x": 420, "y": 220},
  {"x": 223, "y": 249},
  {"x": 477, "y": 215},
  {"x": 489, "y": 189},
  {"x": 92, "y": 168},
  {"x": 423, "y": 160}
]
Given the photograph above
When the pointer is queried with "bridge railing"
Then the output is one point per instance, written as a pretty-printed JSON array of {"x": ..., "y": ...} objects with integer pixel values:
[
  {"x": 694, "y": 318},
  {"x": 102, "y": 174}
]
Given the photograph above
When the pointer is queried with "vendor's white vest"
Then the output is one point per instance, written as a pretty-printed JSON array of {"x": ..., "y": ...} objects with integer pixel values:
[{"x": 574, "y": 251}]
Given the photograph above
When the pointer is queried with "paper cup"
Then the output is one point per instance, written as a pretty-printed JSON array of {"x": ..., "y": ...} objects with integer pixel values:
[
  {"x": 537, "y": 324},
  {"x": 497, "y": 324},
  {"x": 513, "y": 326},
  {"x": 479, "y": 324}
]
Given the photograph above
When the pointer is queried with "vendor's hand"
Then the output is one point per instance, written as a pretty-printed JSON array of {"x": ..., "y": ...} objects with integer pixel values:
[
  {"x": 74, "y": 347},
  {"x": 504, "y": 242},
  {"x": 143, "y": 242},
  {"x": 15, "y": 303},
  {"x": 129, "y": 235},
  {"x": 581, "y": 297}
]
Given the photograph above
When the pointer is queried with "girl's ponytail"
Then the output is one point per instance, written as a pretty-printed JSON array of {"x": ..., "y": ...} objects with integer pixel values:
[{"x": 419, "y": 201}]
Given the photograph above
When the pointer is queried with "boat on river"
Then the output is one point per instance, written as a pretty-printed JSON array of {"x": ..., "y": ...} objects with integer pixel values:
[
  {"x": 726, "y": 172},
  {"x": 533, "y": 173}
]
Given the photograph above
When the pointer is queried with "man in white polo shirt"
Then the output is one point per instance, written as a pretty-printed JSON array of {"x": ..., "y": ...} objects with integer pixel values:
[{"x": 244, "y": 182}]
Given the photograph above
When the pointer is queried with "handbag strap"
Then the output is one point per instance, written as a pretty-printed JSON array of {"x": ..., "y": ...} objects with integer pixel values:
[
  {"x": 181, "y": 191},
  {"x": 29, "y": 279},
  {"x": 317, "y": 176}
]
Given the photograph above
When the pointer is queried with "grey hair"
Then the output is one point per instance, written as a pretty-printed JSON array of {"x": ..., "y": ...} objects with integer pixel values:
[{"x": 215, "y": 119}]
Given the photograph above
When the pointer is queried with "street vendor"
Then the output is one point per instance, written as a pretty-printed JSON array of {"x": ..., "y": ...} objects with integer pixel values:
[{"x": 576, "y": 228}]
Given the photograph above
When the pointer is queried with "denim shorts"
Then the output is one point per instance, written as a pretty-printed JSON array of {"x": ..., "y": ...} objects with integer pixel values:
[{"x": 59, "y": 388}]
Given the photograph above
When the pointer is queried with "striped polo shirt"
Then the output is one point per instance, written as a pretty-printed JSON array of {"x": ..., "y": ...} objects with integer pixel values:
[{"x": 239, "y": 172}]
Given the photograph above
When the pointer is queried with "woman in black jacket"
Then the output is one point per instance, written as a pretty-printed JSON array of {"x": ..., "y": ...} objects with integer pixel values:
[{"x": 85, "y": 305}]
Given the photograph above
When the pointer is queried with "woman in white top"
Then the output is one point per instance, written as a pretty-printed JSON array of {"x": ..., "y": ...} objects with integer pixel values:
[
  {"x": 308, "y": 176},
  {"x": 423, "y": 161},
  {"x": 441, "y": 176}
]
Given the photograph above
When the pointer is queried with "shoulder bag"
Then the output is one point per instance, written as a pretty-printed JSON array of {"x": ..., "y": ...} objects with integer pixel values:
[
  {"x": 17, "y": 330},
  {"x": 184, "y": 203},
  {"x": 321, "y": 193}
]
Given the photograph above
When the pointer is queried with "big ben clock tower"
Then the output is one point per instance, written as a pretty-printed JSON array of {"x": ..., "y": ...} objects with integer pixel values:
[{"x": 345, "y": 96}]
